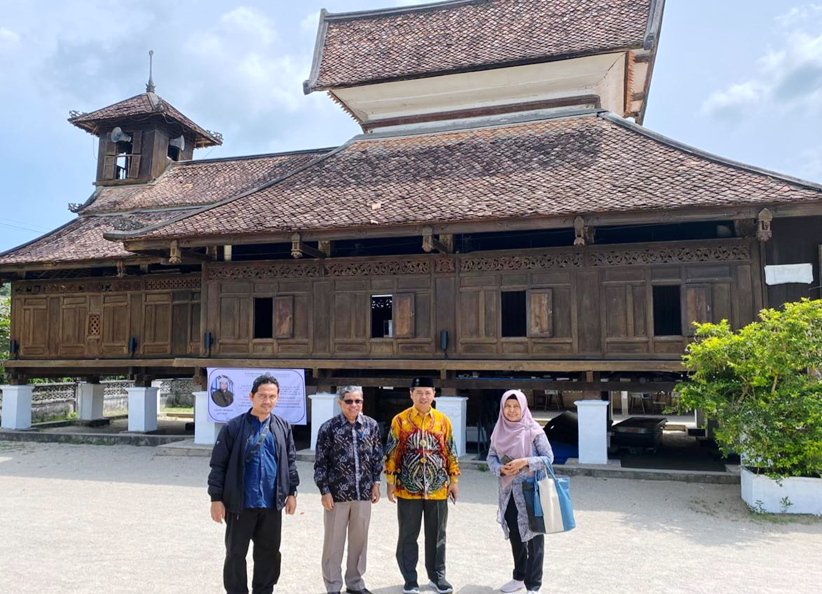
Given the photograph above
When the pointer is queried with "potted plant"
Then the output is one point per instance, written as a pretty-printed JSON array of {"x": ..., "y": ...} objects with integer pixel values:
[{"x": 762, "y": 386}]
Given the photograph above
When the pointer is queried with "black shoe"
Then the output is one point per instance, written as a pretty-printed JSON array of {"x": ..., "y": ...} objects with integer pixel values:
[
  {"x": 441, "y": 586},
  {"x": 411, "y": 588},
  {"x": 363, "y": 591}
]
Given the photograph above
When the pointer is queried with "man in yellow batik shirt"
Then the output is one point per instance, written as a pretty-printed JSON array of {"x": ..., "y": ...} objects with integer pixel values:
[{"x": 421, "y": 467}]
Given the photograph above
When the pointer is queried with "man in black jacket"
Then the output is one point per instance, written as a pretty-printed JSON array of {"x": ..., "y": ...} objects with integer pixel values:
[{"x": 253, "y": 477}]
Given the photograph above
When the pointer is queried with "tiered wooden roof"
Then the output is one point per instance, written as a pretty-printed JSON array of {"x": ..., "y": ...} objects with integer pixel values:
[
  {"x": 142, "y": 107},
  {"x": 184, "y": 185},
  {"x": 369, "y": 47},
  {"x": 583, "y": 164}
]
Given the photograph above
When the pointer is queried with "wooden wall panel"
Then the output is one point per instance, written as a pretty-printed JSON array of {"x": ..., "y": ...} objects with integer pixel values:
[
  {"x": 404, "y": 315},
  {"x": 284, "y": 316},
  {"x": 540, "y": 313},
  {"x": 616, "y": 310},
  {"x": 588, "y": 312},
  {"x": 74, "y": 326},
  {"x": 54, "y": 325},
  {"x": 445, "y": 298},
  {"x": 469, "y": 315},
  {"x": 116, "y": 323},
  {"x": 696, "y": 306},
  {"x": 157, "y": 329},
  {"x": 322, "y": 317},
  {"x": 34, "y": 337}
]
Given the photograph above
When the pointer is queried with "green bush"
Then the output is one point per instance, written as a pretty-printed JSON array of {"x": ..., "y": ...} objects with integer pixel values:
[{"x": 763, "y": 386}]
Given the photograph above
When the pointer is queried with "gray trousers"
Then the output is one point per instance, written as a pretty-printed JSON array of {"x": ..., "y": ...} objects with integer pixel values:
[
  {"x": 410, "y": 514},
  {"x": 350, "y": 518}
]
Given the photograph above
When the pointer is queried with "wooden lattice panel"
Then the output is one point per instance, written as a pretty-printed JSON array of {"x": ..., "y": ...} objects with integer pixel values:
[{"x": 94, "y": 325}]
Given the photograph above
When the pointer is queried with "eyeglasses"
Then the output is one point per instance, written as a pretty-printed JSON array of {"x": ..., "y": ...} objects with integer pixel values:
[{"x": 350, "y": 402}]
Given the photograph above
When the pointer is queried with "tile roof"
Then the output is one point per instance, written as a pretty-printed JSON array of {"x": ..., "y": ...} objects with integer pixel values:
[
  {"x": 464, "y": 35},
  {"x": 81, "y": 239},
  {"x": 145, "y": 105},
  {"x": 591, "y": 163},
  {"x": 184, "y": 184},
  {"x": 197, "y": 183}
]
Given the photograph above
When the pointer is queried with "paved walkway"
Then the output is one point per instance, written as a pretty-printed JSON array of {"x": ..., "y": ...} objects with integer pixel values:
[{"x": 117, "y": 519}]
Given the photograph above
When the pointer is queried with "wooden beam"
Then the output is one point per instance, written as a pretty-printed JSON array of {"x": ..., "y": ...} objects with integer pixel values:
[
  {"x": 691, "y": 214},
  {"x": 430, "y": 243},
  {"x": 299, "y": 248},
  {"x": 573, "y": 101},
  {"x": 500, "y": 384},
  {"x": 435, "y": 365},
  {"x": 78, "y": 264}
]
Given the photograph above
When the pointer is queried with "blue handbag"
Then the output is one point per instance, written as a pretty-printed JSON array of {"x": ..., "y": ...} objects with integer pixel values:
[{"x": 552, "y": 502}]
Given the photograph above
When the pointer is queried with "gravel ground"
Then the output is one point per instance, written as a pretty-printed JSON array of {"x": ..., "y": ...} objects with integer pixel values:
[{"x": 118, "y": 519}]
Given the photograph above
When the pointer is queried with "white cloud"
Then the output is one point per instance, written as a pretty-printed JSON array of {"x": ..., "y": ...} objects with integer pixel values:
[
  {"x": 735, "y": 97},
  {"x": 788, "y": 77},
  {"x": 250, "y": 21},
  {"x": 800, "y": 14},
  {"x": 811, "y": 167},
  {"x": 310, "y": 23},
  {"x": 8, "y": 38}
]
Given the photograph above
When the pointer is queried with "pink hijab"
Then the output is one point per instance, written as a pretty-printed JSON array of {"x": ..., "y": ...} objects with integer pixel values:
[{"x": 514, "y": 439}]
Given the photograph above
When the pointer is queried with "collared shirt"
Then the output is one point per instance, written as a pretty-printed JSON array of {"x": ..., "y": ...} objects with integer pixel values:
[
  {"x": 260, "y": 478},
  {"x": 348, "y": 459},
  {"x": 421, "y": 457}
]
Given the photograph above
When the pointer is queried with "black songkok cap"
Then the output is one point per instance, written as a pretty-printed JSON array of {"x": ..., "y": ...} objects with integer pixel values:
[{"x": 422, "y": 382}]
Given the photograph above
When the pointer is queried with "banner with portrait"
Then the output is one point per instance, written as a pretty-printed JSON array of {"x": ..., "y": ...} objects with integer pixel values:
[{"x": 229, "y": 391}]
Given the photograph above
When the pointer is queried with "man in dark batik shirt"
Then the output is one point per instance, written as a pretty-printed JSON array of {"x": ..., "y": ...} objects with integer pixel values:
[{"x": 347, "y": 471}]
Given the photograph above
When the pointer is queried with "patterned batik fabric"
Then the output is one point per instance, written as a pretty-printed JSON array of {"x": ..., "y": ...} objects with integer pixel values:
[
  {"x": 541, "y": 456},
  {"x": 420, "y": 456},
  {"x": 348, "y": 458}
]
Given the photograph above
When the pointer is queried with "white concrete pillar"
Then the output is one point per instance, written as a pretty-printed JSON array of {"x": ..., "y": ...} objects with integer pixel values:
[
  {"x": 91, "y": 398},
  {"x": 624, "y": 403},
  {"x": 17, "y": 407},
  {"x": 205, "y": 430},
  {"x": 323, "y": 407},
  {"x": 159, "y": 385},
  {"x": 456, "y": 409},
  {"x": 593, "y": 434},
  {"x": 142, "y": 409}
]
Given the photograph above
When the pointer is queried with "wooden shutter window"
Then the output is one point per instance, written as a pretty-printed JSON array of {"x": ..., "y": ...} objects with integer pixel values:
[
  {"x": 136, "y": 150},
  {"x": 540, "y": 313},
  {"x": 109, "y": 159},
  {"x": 697, "y": 306},
  {"x": 284, "y": 316},
  {"x": 404, "y": 315}
]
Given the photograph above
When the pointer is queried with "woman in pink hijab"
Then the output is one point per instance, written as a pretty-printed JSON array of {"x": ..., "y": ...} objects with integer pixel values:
[{"x": 519, "y": 453}]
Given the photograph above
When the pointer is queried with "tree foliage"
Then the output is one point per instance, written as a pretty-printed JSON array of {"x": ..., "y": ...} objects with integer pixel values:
[{"x": 763, "y": 386}]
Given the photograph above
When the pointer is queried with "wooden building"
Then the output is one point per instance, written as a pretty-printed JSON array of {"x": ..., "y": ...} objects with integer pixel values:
[{"x": 504, "y": 214}]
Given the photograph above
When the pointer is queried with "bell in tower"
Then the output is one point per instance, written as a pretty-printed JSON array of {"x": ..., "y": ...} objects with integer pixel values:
[{"x": 141, "y": 136}]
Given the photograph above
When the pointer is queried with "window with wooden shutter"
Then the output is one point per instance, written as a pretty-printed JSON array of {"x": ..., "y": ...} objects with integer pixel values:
[
  {"x": 667, "y": 310},
  {"x": 697, "y": 306},
  {"x": 284, "y": 316},
  {"x": 136, "y": 151},
  {"x": 404, "y": 315},
  {"x": 540, "y": 313},
  {"x": 109, "y": 160}
]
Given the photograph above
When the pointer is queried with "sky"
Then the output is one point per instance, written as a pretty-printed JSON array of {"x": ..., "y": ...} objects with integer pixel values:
[{"x": 739, "y": 78}]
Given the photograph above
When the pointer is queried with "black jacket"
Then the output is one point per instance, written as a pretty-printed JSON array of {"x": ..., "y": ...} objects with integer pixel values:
[{"x": 225, "y": 481}]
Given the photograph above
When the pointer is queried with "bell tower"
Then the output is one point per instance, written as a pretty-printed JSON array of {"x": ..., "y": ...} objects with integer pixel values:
[{"x": 141, "y": 136}]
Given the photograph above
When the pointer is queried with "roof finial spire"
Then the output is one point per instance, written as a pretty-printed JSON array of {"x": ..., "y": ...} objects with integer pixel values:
[{"x": 150, "y": 83}]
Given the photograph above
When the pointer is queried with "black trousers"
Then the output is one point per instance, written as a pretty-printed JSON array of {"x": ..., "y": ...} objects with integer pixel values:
[
  {"x": 410, "y": 513},
  {"x": 263, "y": 527},
  {"x": 528, "y": 556}
]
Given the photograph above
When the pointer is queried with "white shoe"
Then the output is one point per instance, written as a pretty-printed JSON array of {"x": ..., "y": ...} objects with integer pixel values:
[
  {"x": 533, "y": 592},
  {"x": 513, "y": 586}
]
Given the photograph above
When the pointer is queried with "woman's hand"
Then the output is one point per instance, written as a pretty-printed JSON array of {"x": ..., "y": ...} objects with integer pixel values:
[{"x": 514, "y": 466}]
